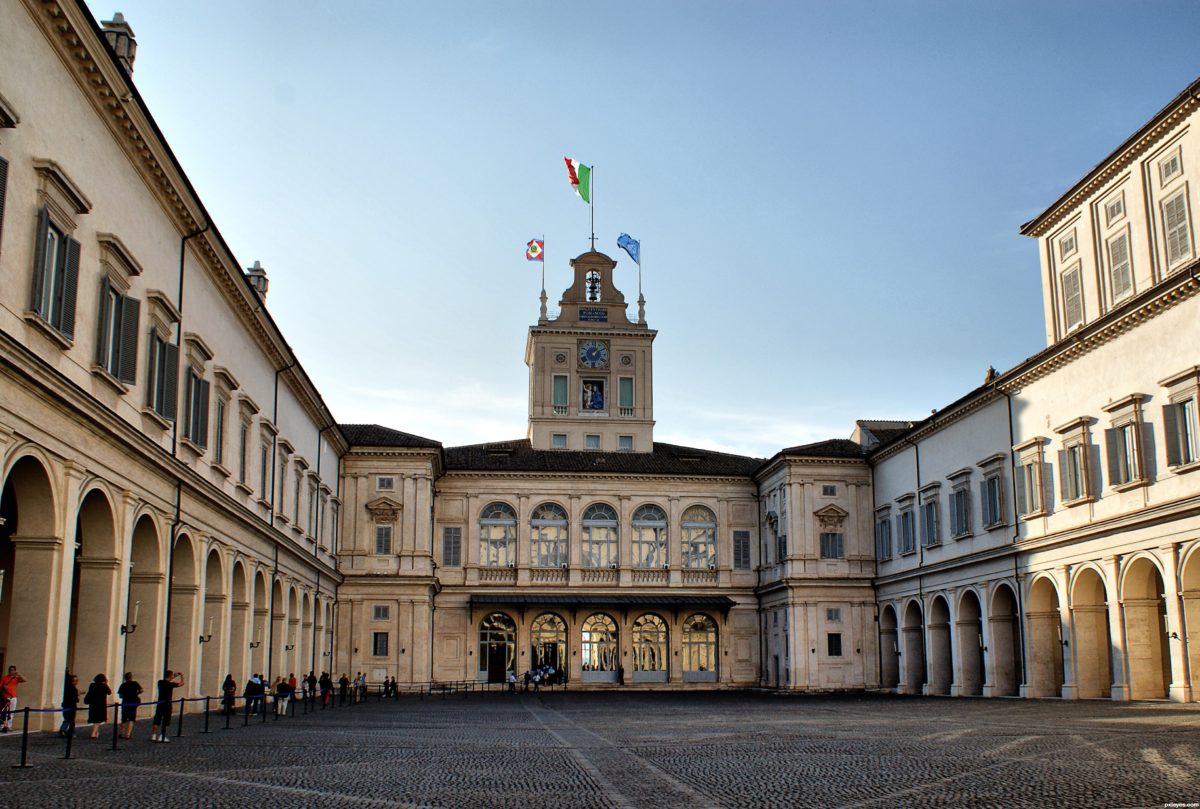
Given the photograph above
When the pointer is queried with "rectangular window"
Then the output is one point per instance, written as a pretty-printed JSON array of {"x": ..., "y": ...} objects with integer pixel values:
[
  {"x": 741, "y": 550},
  {"x": 1176, "y": 229},
  {"x": 625, "y": 395},
  {"x": 591, "y": 442},
  {"x": 116, "y": 350},
  {"x": 1029, "y": 487},
  {"x": 1124, "y": 454},
  {"x": 833, "y": 615},
  {"x": 385, "y": 483},
  {"x": 1179, "y": 421},
  {"x": 379, "y": 644},
  {"x": 333, "y": 529},
  {"x": 381, "y": 612},
  {"x": 162, "y": 390},
  {"x": 930, "y": 534},
  {"x": 828, "y": 490},
  {"x": 908, "y": 536},
  {"x": 781, "y": 549},
  {"x": 1170, "y": 168},
  {"x": 990, "y": 491},
  {"x": 625, "y": 442},
  {"x": 219, "y": 433},
  {"x": 560, "y": 394},
  {"x": 558, "y": 441},
  {"x": 1072, "y": 469},
  {"x": 1072, "y": 296},
  {"x": 196, "y": 428},
  {"x": 296, "y": 500},
  {"x": 243, "y": 451},
  {"x": 1066, "y": 246},
  {"x": 831, "y": 546},
  {"x": 1114, "y": 209},
  {"x": 960, "y": 512},
  {"x": 312, "y": 507},
  {"x": 451, "y": 547},
  {"x": 834, "y": 644},
  {"x": 883, "y": 539},
  {"x": 55, "y": 276},
  {"x": 383, "y": 540},
  {"x": 1119, "y": 267},
  {"x": 264, "y": 457}
]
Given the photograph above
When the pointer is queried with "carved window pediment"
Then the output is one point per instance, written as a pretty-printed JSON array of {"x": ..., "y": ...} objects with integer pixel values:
[
  {"x": 831, "y": 516},
  {"x": 385, "y": 509}
]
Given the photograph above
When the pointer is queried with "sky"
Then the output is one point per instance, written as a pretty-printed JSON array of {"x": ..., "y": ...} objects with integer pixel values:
[{"x": 827, "y": 195}]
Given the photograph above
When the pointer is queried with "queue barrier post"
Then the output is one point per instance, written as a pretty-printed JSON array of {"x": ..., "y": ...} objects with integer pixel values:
[
  {"x": 70, "y": 738},
  {"x": 179, "y": 725},
  {"x": 206, "y": 712},
  {"x": 116, "y": 723},
  {"x": 229, "y": 711},
  {"x": 24, "y": 765}
]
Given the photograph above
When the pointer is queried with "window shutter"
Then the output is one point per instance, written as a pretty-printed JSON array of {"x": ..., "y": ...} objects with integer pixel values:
[
  {"x": 1112, "y": 449},
  {"x": 39, "y": 260},
  {"x": 202, "y": 432},
  {"x": 102, "y": 329},
  {"x": 1091, "y": 470},
  {"x": 3, "y": 187},
  {"x": 1022, "y": 495},
  {"x": 984, "y": 503},
  {"x": 171, "y": 382},
  {"x": 1171, "y": 430},
  {"x": 1063, "y": 474},
  {"x": 1146, "y": 457},
  {"x": 130, "y": 308},
  {"x": 70, "y": 284}
]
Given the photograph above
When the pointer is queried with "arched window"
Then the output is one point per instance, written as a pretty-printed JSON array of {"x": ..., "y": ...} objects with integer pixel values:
[
  {"x": 649, "y": 537},
  {"x": 599, "y": 547},
  {"x": 497, "y": 536},
  {"x": 599, "y": 644},
  {"x": 548, "y": 642},
  {"x": 699, "y": 648},
  {"x": 548, "y": 536},
  {"x": 649, "y": 644},
  {"x": 497, "y": 646},
  {"x": 699, "y": 538}
]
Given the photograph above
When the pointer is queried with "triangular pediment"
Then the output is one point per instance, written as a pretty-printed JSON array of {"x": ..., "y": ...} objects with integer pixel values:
[
  {"x": 384, "y": 509},
  {"x": 831, "y": 515}
]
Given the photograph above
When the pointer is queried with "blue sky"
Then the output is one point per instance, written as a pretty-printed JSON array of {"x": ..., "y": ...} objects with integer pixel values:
[{"x": 827, "y": 194}]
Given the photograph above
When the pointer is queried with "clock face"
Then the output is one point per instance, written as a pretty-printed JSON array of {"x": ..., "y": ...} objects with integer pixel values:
[{"x": 593, "y": 354}]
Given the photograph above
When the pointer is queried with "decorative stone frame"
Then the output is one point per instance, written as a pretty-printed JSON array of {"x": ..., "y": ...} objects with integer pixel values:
[
  {"x": 992, "y": 469},
  {"x": 384, "y": 511},
  {"x": 1076, "y": 435},
  {"x": 905, "y": 505},
  {"x": 960, "y": 481},
  {"x": 226, "y": 385},
  {"x": 1031, "y": 453},
  {"x": 198, "y": 355},
  {"x": 266, "y": 433},
  {"x": 1124, "y": 413},
  {"x": 283, "y": 454},
  {"x": 883, "y": 517},
  {"x": 931, "y": 493},
  {"x": 247, "y": 410},
  {"x": 1180, "y": 387}
]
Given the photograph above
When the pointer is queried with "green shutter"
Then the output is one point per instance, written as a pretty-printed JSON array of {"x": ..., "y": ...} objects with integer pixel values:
[
  {"x": 70, "y": 283},
  {"x": 1022, "y": 495},
  {"x": 202, "y": 431},
  {"x": 39, "y": 261},
  {"x": 625, "y": 392},
  {"x": 170, "y": 381},
  {"x": 127, "y": 369},
  {"x": 560, "y": 391},
  {"x": 102, "y": 330}
]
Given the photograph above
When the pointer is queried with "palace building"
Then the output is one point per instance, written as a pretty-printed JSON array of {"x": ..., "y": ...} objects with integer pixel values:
[{"x": 176, "y": 494}]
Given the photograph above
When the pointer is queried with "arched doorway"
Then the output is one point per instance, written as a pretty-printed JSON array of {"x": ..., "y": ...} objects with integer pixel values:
[
  {"x": 941, "y": 663},
  {"x": 305, "y": 643},
  {"x": 1004, "y": 646},
  {"x": 914, "y": 649},
  {"x": 93, "y": 621},
  {"x": 650, "y": 645},
  {"x": 261, "y": 627},
  {"x": 970, "y": 645},
  {"x": 497, "y": 647},
  {"x": 889, "y": 647},
  {"x": 1045, "y": 640},
  {"x": 548, "y": 643},
  {"x": 1191, "y": 617},
  {"x": 184, "y": 589},
  {"x": 212, "y": 628},
  {"x": 599, "y": 650},
  {"x": 1093, "y": 647},
  {"x": 700, "y": 649},
  {"x": 239, "y": 621},
  {"x": 144, "y": 610},
  {"x": 30, "y": 567},
  {"x": 1146, "y": 644}
]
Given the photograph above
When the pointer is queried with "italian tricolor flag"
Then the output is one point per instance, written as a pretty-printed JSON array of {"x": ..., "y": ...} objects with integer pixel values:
[{"x": 580, "y": 177}]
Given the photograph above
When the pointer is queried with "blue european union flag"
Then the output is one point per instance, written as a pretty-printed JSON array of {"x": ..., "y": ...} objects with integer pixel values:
[{"x": 631, "y": 246}]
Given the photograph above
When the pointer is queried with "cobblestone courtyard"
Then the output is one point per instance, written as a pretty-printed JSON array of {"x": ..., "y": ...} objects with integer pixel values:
[{"x": 584, "y": 750}]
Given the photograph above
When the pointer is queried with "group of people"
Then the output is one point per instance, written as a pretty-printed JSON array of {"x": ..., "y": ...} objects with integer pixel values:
[{"x": 539, "y": 676}]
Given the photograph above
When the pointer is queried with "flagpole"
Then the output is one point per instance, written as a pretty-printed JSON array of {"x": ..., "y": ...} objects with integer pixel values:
[
  {"x": 592, "y": 202},
  {"x": 543, "y": 315},
  {"x": 641, "y": 300}
]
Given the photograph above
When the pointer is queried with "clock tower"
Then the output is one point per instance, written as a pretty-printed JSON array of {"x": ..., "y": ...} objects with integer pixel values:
[{"x": 590, "y": 369}]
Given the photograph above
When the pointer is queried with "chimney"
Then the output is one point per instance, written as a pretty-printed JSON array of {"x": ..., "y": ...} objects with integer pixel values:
[
  {"x": 257, "y": 277},
  {"x": 121, "y": 40}
]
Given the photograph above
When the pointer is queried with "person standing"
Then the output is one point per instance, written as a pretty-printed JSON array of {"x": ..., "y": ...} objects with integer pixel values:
[
  {"x": 343, "y": 689},
  {"x": 96, "y": 699},
  {"x": 228, "y": 694},
  {"x": 162, "y": 716},
  {"x": 8, "y": 697},
  {"x": 70, "y": 704},
  {"x": 311, "y": 681},
  {"x": 130, "y": 694}
]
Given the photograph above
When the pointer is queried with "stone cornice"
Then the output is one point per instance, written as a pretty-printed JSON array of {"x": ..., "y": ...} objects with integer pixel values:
[
  {"x": 592, "y": 476},
  {"x": 1141, "y": 141},
  {"x": 957, "y": 411}
]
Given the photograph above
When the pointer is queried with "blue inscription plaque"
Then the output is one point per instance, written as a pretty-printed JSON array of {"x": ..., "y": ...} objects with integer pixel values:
[{"x": 593, "y": 314}]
